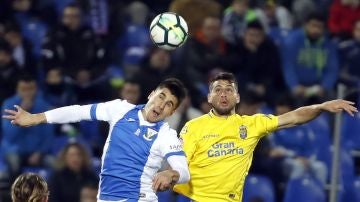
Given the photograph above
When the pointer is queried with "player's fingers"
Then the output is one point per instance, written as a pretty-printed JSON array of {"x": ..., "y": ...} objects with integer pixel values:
[
  {"x": 155, "y": 183},
  {"x": 10, "y": 117},
  {"x": 18, "y": 108},
  {"x": 349, "y": 102},
  {"x": 349, "y": 111},
  {"x": 163, "y": 187},
  {"x": 9, "y": 111},
  {"x": 354, "y": 109}
]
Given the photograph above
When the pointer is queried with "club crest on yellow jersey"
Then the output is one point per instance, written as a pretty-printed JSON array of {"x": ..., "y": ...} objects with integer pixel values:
[{"x": 243, "y": 131}]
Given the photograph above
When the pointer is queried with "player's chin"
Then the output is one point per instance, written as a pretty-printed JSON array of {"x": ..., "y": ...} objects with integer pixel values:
[{"x": 222, "y": 110}]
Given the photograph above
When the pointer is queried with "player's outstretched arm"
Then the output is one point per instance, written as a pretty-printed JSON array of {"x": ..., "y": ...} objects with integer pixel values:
[
  {"x": 308, "y": 113},
  {"x": 23, "y": 118},
  {"x": 177, "y": 174}
]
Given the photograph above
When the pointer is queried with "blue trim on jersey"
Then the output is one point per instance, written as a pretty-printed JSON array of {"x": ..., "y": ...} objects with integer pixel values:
[
  {"x": 125, "y": 158},
  {"x": 179, "y": 153},
  {"x": 93, "y": 111}
]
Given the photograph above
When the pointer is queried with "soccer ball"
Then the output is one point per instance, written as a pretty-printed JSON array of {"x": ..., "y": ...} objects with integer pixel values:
[{"x": 168, "y": 30}]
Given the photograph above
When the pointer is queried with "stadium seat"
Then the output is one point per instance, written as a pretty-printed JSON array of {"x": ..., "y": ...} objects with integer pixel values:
[
  {"x": 304, "y": 189},
  {"x": 350, "y": 132},
  {"x": 257, "y": 186},
  {"x": 321, "y": 138},
  {"x": 357, "y": 189}
]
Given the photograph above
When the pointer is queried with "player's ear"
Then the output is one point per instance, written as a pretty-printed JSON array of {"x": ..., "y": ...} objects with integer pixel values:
[{"x": 237, "y": 98}]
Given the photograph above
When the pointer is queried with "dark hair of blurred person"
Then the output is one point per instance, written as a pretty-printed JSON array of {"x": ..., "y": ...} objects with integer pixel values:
[
  {"x": 74, "y": 171},
  {"x": 21, "y": 48},
  {"x": 29, "y": 187},
  {"x": 89, "y": 192},
  {"x": 8, "y": 71},
  {"x": 130, "y": 91}
]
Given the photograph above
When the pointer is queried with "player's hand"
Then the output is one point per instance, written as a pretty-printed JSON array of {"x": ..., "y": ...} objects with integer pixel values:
[
  {"x": 164, "y": 180},
  {"x": 339, "y": 105},
  {"x": 19, "y": 117}
]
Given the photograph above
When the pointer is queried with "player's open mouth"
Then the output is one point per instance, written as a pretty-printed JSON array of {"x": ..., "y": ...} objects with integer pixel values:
[
  {"x": 156, "y": 113},
  {"x": 223, "y": 102}
]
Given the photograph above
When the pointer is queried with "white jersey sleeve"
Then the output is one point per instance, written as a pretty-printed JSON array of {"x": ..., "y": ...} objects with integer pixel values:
[
  {"x": 179, "y": 164},
  {"x": 169, "y": 143},
  {"x": 102, "y": 111}
]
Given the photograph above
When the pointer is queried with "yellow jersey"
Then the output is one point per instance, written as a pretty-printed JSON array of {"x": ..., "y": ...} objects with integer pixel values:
[{"x": 219, "y": 151}]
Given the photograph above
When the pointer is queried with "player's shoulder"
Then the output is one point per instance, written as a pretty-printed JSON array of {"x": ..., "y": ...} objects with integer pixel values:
[
  {"x": 257, "y": 117},
  {"x": 199, "y": 120},
  {"x": 165, "y": 129},
  {"x": 119, "y": 104}
]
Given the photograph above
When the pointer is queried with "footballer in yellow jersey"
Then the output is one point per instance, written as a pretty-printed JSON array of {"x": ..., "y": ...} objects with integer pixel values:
[
  {"x": 219, "y": 151},
  {"x": 219, "y": 146}
]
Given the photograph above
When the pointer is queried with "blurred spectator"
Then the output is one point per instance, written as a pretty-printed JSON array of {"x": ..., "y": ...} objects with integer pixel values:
[
  {"x": 31, "y": 17},
  {"x": 9, "y": 71},
  {"x": 201, "y": 54},
  {"x": 73, "y": 46},
  {"x": 271, "y": 15},
  {"x": 29, "y": 187},
  {"x": 297, "y": 146},
  {"x": 235, "y": 20},
  {"x": 85, "y": 84},
  {"x": 263, "y": 163},
  {"x": 56, "y": 90},
  {"x": 250, "y": 103},
  {"x": 89, "y": 192},
  {"x": 301, "y": 9},
  {"x": 342, "y": 17},
  {"x": 135, "y": 42},
  {"x": 157, "y": 66},
  {"x": 73, "y": 173},
  {"x": 21, "y": 49},
  {"x": 183, "y": 114},
  {"x": 258, "y": 63},
  {"x": 310, "y": 60},
  {"x": 130, "y": 91},
  {"x": 195, "y": 11},
  {"x": 350, "y": 59},
  {"x": 26, "y": 146}
]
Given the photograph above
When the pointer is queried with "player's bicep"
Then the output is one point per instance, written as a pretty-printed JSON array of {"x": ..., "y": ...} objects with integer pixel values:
[
  {"x": 170, "y": 145},
  {"x": 286, "y": 120},
  {"x": 106, "y": 110}
]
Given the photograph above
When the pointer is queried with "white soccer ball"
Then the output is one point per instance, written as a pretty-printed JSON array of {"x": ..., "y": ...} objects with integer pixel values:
[{"x": 168, "y": 30}]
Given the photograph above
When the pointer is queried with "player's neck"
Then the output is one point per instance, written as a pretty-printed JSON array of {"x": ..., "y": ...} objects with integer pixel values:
[{"x": 223, "y": 115}]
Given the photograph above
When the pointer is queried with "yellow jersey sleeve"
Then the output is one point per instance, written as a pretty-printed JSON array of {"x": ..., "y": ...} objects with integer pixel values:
[
  {"x": 187, "y": 136},
  {"x": 265, "y": 124}
]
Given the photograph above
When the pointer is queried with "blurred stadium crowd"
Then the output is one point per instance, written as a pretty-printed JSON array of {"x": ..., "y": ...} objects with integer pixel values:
[{"x": 285, "y": 53}]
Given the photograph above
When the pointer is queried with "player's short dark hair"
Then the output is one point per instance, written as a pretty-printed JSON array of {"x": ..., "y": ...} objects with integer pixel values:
[
  {"x": 26, "y": 77},
  {"x": 176, "y": 87},
  {"x": 255, "y": 24},
  {"x": 227, "y": 76},
  {"x": 315, "y": 16}
]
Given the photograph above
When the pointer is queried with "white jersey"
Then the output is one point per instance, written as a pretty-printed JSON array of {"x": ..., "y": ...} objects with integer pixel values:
[{"x": 134, "y": 149}]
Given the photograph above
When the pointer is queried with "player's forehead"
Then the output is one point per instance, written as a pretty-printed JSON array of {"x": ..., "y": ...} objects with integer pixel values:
[
  {"x": 167, "y": 93},
  {"x": 223, "y": 84}
]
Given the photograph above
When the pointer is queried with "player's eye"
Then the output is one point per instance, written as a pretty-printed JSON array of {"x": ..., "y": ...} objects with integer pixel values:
[{"x": 169, "y": 104}]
